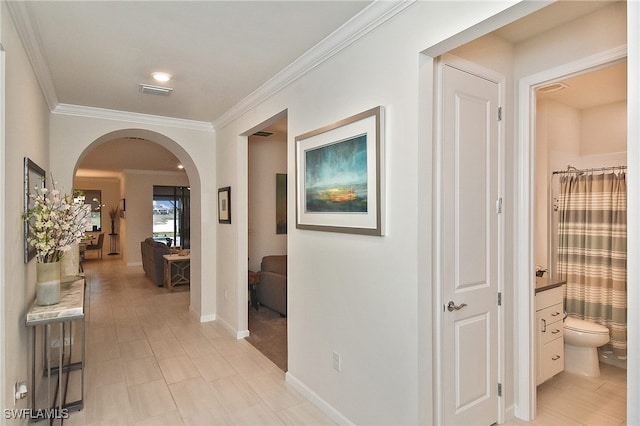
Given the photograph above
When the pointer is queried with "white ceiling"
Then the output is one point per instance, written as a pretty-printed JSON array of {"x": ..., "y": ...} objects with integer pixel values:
[
  {"x": 599, "y": 87},
  {"x": 96, "y": 53}
]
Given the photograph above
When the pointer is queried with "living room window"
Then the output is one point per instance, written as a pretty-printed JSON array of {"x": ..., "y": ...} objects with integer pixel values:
[{"x": 171, "y": 212}]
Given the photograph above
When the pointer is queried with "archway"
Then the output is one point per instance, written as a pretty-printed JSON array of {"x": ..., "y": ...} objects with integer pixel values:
[{"x": 135, "y": 185}]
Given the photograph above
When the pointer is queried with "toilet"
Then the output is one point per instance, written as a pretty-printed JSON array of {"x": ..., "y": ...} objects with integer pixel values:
[{"x": 581, "y": 340}]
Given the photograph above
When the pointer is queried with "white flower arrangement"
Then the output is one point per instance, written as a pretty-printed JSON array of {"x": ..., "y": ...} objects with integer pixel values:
[{"x": 55, "y": 223}]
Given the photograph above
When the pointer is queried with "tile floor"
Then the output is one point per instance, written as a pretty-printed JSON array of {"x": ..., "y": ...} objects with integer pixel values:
[
  {"x": 569, "y": 399},
  {"x": 149, "y": 362}
]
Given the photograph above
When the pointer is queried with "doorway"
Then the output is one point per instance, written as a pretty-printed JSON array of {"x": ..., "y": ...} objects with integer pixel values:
[
  {"x": 580, "y": 123},
  {"x": 520, "y": 50},
  {"x": 470, "y": 240},
  {"x": 267, "y": 241}
]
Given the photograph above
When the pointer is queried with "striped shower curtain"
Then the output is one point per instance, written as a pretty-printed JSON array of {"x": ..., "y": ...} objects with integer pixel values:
[{"x": 592, "y": 251}]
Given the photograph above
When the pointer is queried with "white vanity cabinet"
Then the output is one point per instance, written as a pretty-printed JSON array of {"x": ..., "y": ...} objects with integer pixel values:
[{"x": 549, "y": 333}]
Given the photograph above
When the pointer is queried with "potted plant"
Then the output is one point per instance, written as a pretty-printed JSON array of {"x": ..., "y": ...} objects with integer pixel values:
[{"x": 56, "y": 222}]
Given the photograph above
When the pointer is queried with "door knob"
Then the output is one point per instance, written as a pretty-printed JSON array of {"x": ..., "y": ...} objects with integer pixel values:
[{"x": 451, "y": 306}]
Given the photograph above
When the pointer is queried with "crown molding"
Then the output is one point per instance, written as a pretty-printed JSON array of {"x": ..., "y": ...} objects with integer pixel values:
[
  {"x": 31, "y": 41},
  {"x": 374, "y": 15},
  {"x": 135, "y": 117}
]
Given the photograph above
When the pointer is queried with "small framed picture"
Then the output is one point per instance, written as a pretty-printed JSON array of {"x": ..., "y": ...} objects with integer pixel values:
[
  {"x": 339, "y": 176},
  {"x": 224, "y": 205}
]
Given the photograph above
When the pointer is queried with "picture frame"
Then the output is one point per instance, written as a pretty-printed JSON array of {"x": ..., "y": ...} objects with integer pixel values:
[
  {"x": 340, "y": 176},
  {"x": 34, "y": 176},
  {"x": 224, "y": 205},
  {"x": 281, "y": 203}
]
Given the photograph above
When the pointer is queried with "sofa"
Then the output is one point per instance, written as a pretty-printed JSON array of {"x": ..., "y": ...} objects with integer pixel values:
[
  {"x": 272, "y": 288},
  {"x": 152, "y": 261}
]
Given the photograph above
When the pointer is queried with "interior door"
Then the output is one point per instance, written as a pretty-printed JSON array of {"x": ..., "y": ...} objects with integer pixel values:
[{"x": 470, "y": 248}]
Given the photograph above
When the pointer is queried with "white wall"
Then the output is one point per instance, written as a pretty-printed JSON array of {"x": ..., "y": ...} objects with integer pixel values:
[
  {"x": 26, "y": 135},
  {"x": 355, "y": 295},
  {"x": 139, "y": 195},
  {"x": 604, "y": 129},
  {"x": 267, "y": 156},
  {"x": 73, "y": 135}
]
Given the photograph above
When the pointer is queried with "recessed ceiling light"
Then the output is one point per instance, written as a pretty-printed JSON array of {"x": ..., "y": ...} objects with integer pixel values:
[
  {"x": 161, "y": 76},
  {"x": 180, "y": 166}
]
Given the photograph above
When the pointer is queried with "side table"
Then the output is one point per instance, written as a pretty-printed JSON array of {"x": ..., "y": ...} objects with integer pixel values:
[
  {"x": 60, "y": 316},
  {"x": 176, "y": 270},
  {"x": 254, "y": 280}
]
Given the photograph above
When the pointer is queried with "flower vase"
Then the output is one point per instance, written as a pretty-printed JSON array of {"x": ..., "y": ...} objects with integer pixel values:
[{"x": 48, "y": 283}]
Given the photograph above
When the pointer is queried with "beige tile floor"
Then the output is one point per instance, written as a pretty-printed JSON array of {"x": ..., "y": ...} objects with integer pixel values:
[
  {"x": 149, "y": 362},
  {"x": 569, "y": 399}
]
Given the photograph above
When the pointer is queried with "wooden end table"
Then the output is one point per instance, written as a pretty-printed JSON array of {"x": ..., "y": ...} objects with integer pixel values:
[
  {"x": 254, "y": 280},
  {"x": 176, "y": 270}
]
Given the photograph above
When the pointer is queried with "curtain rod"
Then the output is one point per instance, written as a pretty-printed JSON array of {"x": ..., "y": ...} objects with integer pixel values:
[{"x": 571, "y": 169}]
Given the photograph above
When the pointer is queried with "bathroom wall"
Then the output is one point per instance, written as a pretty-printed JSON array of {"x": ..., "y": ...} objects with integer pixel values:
[{"x": 587, "y": 138}]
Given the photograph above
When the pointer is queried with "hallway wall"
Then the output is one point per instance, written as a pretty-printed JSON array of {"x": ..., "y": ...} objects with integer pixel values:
[
  {"x": 356, "y": 295},
  {"x": 26, "y": 134}
]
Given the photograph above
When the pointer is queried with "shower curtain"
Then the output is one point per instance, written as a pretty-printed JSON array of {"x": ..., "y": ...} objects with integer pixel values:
[{"x": 592, "y": 251}]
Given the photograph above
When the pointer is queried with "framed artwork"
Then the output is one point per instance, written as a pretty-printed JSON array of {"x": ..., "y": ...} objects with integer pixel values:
[
  {"x": 34, "y": 176},
  {"x": 339, "y": 176},
  {"x": 224, "y": 205},
  {"x": 281, "y": 203}
]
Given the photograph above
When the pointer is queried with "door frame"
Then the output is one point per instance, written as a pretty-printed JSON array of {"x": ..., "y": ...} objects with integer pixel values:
[
  {"x": 437, "y": 241},
  {"x": 524, "y": 244}
]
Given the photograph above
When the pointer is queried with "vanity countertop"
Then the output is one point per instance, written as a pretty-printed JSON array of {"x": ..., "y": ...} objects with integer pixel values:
[{"x": 547, "y": 283}]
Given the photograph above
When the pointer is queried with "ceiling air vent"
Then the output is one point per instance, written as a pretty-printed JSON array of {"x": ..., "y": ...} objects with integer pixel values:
[
  {"x": 263, "y": 134},
  {"x": 553, "y": 87},
  {"x": 155, "y": 90}
]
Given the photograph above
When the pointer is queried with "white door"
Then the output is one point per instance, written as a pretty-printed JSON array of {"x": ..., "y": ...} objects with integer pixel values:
[{"x": 470, "y": 248}]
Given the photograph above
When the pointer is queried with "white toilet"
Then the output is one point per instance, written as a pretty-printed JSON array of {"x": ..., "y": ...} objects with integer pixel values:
[{"x": 581, "y": 340}]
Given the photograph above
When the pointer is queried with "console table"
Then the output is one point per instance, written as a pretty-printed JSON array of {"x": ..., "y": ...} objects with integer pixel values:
[
  {"x": 176, "y": 270},
  {"x": 58, "y": 319}
]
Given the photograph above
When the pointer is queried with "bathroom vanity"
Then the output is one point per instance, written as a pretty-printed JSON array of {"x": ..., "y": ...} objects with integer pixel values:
[{"x": 549, "y": 351}]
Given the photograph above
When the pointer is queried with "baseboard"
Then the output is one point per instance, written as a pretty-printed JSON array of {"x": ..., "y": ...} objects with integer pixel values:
[
  {"x": 205, "y": 318},
  {"x": 134, "y": 263},
  {"x": 239, "y": 334},
  {"x": 509, "y": 413},
  {"x": 323, "y": 405}
]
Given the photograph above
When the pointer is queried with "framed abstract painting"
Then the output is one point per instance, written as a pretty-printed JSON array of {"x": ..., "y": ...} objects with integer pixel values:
[{"x": 339, "y": 176}]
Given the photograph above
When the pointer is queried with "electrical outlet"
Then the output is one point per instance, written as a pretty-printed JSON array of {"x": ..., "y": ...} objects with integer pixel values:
[{"x": 336, "y": 361}]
